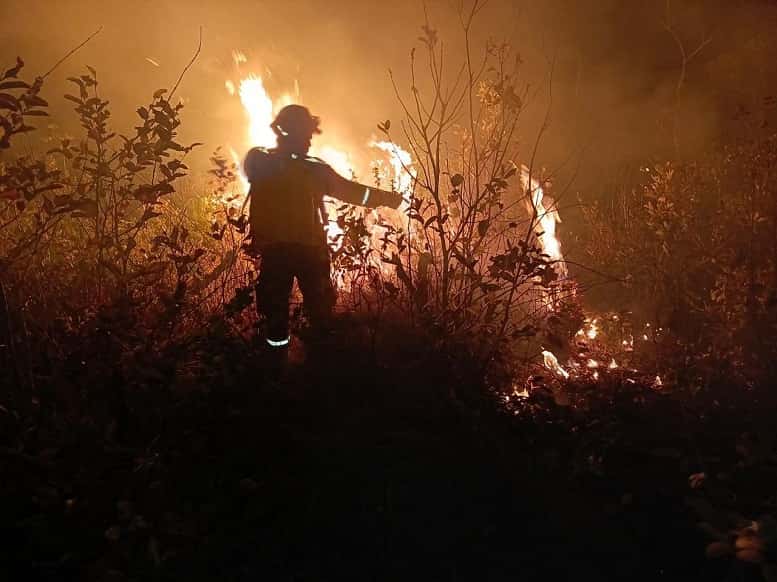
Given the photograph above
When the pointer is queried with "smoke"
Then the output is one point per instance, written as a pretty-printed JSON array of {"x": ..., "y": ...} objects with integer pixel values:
[{"x": 614, "y": 65}]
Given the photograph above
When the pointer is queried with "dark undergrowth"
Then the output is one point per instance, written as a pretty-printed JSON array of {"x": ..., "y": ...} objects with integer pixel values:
[{"x": 387, "y": 468}]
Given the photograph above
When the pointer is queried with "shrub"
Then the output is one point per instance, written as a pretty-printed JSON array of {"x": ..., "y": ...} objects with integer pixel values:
[{"x": 695, "y": 246}]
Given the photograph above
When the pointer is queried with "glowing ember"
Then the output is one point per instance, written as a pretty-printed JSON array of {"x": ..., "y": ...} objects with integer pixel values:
[
  {"x": 613, "y": 364},
  {"x": 522, "y": 394},
  {"x": 593, "y": 331}
]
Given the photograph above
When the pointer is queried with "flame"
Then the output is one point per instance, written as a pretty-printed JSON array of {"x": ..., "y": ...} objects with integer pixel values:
[
  {"x": 341, "y": 161},
  {"x": 520, "y": 394},
  {"x": 547, "y": 218},
  {"x": 261, "y": 109},
  {"x": 551, "y": 363},
  {"x": 239, "y": 57},
  {"x": 393, "y": 164},
  {"x": 401, "y": 163}
]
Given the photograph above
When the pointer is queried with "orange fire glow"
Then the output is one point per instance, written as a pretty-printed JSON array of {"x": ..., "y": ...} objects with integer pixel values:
[{"x": 393, "y": 164}]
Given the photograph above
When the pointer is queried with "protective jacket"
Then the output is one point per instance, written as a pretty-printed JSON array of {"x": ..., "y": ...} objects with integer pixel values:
[{"x": 287, "y": 191}]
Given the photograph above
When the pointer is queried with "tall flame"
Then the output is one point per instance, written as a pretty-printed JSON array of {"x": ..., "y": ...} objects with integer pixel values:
[
  {"x": 261, "y": 109},
  {"x": 551, "y": 363},
  {"x": 547, "y": 217},
  {"x": 393, "y": 164}
]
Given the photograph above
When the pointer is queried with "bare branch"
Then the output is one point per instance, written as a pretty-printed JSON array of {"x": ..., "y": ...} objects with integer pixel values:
[
  {"x": 63, "y": 59},
  {"x": 194, "y": 58}
]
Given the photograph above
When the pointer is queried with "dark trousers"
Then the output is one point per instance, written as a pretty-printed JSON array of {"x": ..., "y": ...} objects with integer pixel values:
[{"x": 280, "y": 264}]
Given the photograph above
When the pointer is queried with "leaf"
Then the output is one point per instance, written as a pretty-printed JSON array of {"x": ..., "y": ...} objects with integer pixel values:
[
  {"x": 74, "y": 99},
  {"x": 165, "y": 188},
  {"x": 36, "y": 113},
  {"x": 159, "y": 92},
  {"x": 457, "y": 180},
  {"x": 14, "y": 85},
  {"x": 9, "y": 102},
  {"x": 143, "y": 112},
  {"x": 35, "y": 101},
  {"x": 13, "y": 71},
  {"x": 483, "y": 227}
]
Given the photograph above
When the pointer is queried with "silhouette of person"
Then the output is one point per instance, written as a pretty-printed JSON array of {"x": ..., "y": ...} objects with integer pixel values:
[{"x": 287, "y": 218}]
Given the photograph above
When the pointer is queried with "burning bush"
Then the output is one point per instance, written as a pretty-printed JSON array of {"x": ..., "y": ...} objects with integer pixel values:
[
  {"x": 475, "y": 259},
  {"x": 694, "y": 247}
]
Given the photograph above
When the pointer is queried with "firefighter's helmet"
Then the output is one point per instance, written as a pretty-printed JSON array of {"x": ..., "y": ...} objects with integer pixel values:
[{"x": 295, "y": 120}]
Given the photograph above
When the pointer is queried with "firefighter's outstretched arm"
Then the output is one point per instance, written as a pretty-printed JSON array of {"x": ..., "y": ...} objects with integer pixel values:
[{"x": 361, "y": 195}]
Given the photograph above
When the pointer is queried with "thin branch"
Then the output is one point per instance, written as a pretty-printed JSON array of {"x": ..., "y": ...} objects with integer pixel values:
[
  {"x": 186, "y": 68},
  {"x": 63, "y": 59}
]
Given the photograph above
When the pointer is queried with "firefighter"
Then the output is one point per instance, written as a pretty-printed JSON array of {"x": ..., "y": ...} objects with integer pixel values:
[{"x": 287, "y": 218}]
